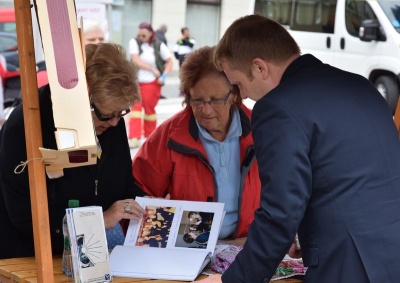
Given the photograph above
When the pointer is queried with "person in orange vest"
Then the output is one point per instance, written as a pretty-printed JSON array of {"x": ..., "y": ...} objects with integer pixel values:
[{"x": 154, "y": 61}]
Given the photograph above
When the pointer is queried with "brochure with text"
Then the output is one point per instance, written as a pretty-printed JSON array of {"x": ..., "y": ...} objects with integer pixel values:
[
  {"x": 174, "y": 240},
  {"x": 89, "y": 250}
]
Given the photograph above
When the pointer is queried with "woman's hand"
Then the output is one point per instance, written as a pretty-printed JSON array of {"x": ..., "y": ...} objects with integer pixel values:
[
  {"x": 120, "y": 210},
  {"x": 295, "y": 249},
  {"x": 161, "y": 79},
  {"x": 294, "y": 252},
  {"x": 156, "y": 72},
  {"x": 211, "y": 279}
]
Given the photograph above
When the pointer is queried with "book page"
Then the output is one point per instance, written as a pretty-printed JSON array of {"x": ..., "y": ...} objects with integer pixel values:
[
  {"x": 174, "y": 240},
  {"x": 176, "y": 224},
  {"x": 153, "y": 263}
]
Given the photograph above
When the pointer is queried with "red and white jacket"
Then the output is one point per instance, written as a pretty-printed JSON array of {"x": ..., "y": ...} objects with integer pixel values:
[{"x": 173, "y": 160}]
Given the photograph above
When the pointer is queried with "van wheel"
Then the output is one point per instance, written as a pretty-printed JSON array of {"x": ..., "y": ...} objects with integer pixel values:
[{"x": 389, "y": 89}]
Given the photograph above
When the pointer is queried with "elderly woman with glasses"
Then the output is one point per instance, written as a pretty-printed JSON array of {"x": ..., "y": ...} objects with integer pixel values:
[
  {"x": 205, "y": 152},
  {"x": 154, "y": 61},
  {"x": 113, "y": 88}
]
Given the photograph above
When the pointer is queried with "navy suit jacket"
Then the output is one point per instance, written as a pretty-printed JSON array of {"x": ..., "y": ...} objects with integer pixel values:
[{"x": 329, "y": 162}]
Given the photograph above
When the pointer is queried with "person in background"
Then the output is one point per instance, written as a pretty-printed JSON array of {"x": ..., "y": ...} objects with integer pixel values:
[
  {"x": 160, "y": 33},
  {"x": 93, "y": 31},
  {"x": 113, "y": 88},
  {"x": 184, "y": 46},
  {"x": 204, "y": 152},
  {"x": 329, "y": 158},
  {"x": 154, "y": 61}
]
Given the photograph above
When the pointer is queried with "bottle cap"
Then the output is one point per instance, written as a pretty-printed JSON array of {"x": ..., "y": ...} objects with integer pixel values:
[{"x": 73, "y": 203}]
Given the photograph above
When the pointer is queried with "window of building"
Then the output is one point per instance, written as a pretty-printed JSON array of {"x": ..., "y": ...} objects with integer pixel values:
[
  {"x": 203, "y": 21},
  {"x": 130, "y": 15}
]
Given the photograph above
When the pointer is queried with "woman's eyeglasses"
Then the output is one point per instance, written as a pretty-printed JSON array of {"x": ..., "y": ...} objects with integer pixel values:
[
  {"x": 214, "y": 102},
  {"x": 103, "y": 118}
]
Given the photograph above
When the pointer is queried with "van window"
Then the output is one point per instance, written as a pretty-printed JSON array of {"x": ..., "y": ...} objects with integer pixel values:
[
  {"x": 7, "y": 20},
  {"x": 356, "y": 12},
  {"x": 278, "y": 10},
  {"x": 392, "y": 11},
  {"x": 315, "y": 16},
  {"x": 308, "y": 15},
  {"x": 8, "y": 43},
  {"x": 8, "y": 27}
]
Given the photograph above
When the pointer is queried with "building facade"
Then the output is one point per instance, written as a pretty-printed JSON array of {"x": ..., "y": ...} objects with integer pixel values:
[{"x": 207, "y": 20}]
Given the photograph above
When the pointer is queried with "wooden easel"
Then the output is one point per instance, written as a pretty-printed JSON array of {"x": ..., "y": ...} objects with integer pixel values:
[
  {"x": 66, "y": 74},
  {"x": 33, "y": 136}
]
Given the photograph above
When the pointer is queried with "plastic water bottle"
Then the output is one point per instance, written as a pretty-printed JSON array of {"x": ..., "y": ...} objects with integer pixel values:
[{"x": 67, "y": 267}]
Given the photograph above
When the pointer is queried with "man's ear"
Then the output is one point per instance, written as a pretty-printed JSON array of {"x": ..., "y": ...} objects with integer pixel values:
[{"x": 260, "y": 67}]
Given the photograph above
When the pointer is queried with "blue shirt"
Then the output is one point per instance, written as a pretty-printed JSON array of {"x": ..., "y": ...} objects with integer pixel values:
[{"x": 224, "y": 157}]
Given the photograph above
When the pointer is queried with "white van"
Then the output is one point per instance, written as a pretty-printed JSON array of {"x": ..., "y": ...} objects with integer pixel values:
[{"x": 354, "y": 35}]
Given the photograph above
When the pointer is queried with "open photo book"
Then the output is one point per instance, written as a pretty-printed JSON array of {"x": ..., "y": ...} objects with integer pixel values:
[{"x": 175, "y": 240}]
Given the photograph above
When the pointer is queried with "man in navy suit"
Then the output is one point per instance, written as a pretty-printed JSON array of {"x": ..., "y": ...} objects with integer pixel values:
[{"x": 329, "y": 159}]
